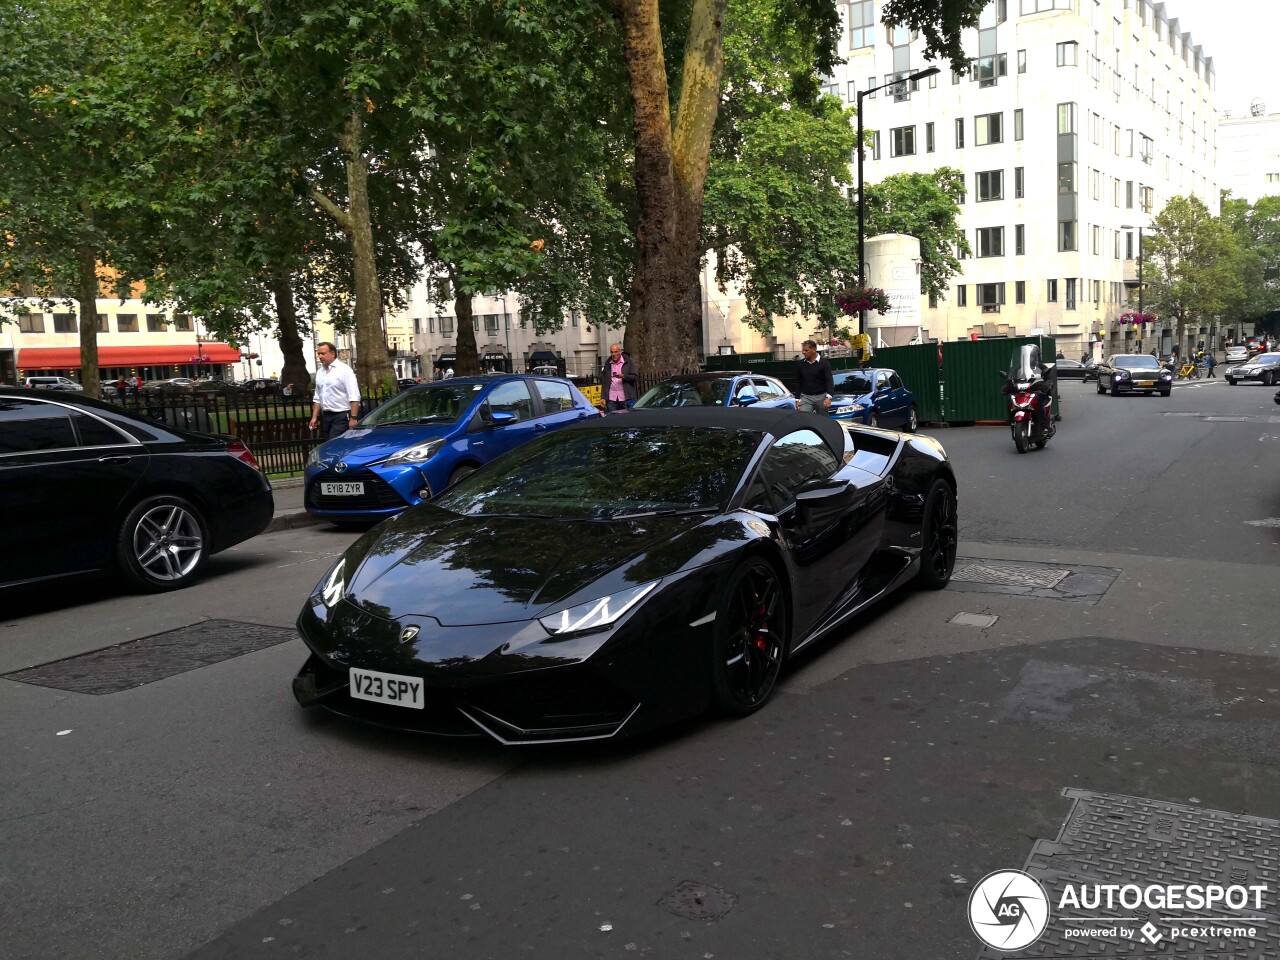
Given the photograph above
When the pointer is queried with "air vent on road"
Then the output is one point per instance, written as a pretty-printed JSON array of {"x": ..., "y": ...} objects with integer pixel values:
[
  {"x": 1010, "y": 575},
  {"x": 139, "y": 662},
  {"x": 1047, "y": 581}
]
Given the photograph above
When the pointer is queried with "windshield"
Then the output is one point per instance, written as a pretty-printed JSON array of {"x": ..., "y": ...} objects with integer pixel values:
[
  {"x": 854, "y": 383},
  {"x": 603, "y": 474},
  {"x": 1267, "y": 359},
  {"x": 1139, "y": 361},
  {"x": 442, "y": 404},
  {"x": 687, "y": 393}
]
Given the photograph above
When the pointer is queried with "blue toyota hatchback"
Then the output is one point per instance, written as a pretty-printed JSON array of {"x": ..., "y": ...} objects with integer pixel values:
[
  {"x": 875, "y": 396},
  {"x": 426, "y": 438}
]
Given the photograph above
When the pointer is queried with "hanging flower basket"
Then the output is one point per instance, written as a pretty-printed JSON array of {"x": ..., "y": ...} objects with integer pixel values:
[
  {"x": 1134, "y": 317},
  {"x": 854, "y": 300}
]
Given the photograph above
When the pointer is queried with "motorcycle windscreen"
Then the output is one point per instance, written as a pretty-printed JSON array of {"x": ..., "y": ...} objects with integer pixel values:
[{"x": 1026, "y": 364}]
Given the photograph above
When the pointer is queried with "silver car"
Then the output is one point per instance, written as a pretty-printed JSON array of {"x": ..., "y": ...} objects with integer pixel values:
[
  {"x": 53, "y": 383},
  {"x": 1237, "y": 354}
]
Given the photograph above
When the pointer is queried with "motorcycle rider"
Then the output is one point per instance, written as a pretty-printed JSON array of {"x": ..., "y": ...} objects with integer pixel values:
[{"x": 1029, "y": 367}]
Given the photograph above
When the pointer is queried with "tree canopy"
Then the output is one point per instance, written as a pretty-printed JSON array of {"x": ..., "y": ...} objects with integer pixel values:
[{"x": 1192, "y": 263}]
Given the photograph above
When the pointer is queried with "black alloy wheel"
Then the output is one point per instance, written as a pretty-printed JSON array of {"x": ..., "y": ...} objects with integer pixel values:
[
  {"x": 751, "y": 638},
  {"x": 162, "y": 543},
  {"x": 941, "y": 534},
  {"x": 1101, "y": 388}
]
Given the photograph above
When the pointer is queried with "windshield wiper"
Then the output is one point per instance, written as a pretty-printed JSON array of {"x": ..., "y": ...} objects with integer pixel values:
[{"x": 687, "y": 512}]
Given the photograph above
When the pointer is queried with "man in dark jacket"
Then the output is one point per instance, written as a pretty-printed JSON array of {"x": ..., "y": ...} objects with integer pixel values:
[
  {"x": 814, "y": 383},
  {"x": 618, "y": 380}
]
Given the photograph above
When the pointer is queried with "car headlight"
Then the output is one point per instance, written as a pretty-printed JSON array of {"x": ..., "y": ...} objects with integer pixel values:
[
  {"x": 313, "y": 458},
  {"x": 418, "y": 453},
  {"x": 595, "y": 614},
  {"x": 335, "y": 584},
  {"x": 1166, "y": 376},
  {"x": 1121, "y": 375}
]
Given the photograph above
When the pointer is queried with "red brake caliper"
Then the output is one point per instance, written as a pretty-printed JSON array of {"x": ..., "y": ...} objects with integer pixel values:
[{"x": 762, "y": 622}]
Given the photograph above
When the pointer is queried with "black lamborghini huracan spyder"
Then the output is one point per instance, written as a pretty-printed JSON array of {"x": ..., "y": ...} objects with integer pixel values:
[{"x": 625, "y": 572}]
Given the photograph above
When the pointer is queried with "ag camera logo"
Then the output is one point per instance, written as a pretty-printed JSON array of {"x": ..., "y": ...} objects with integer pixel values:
[{"x": 1008, "y": 910}]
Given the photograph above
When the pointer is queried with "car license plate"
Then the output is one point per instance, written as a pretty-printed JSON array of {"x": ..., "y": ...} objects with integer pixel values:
[
  {"x": 349, "y": 489},
  {"x": 1146, "y": 383},
  {"x": 386, "y": 688}
]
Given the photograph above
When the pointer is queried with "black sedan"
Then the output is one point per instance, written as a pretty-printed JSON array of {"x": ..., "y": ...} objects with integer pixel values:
[
  {"x": 1134, "y": 373},
  {"x": 88, "y": 487},
  {"x": 624, "y": 572},
  {"x": 1070, "y": 369},
  {"x": 1264, "y": 368}
]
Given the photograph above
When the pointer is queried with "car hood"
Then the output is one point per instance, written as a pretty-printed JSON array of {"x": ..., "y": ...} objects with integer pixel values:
[
  {"x": 1142, "y": 373},
  {"x": 843, "y": 396},
  {"x": 467, "y": 571},
  {"x": 370, "y": 444}
]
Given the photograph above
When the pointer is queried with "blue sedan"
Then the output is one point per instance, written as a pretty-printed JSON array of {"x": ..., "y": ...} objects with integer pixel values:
[
  {"x": 426, "y": 438},
  {"x": 875, "y": 396},
  {"x": 727, "y": 389}
]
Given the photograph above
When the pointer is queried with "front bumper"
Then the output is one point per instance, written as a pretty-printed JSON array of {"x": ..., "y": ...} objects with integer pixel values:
[
  {"x": 1134, "y": 385},
  {"x": 384, "y": 496}
]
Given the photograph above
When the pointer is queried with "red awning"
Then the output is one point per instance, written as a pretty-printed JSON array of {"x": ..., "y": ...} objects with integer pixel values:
[{"x": 68, "y": 358}]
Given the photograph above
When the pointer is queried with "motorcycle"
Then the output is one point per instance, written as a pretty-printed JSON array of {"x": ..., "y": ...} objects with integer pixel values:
[{"x": 1030, "y": 421}]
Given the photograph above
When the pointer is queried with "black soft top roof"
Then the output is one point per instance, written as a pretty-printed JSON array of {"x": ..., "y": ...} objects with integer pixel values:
[{"x": 772, "y": 421}]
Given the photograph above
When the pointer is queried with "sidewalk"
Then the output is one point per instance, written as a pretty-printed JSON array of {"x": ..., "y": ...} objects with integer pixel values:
[{"x": 289, "y": 511}]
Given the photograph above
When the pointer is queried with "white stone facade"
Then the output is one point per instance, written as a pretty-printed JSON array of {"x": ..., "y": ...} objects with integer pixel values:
[{"x": 1249, "y": 148}]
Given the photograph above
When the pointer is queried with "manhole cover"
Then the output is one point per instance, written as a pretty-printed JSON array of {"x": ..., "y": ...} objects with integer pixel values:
[
  {"x": 139, "y": 662},
  {"x": 1269, "y": 522},
  {"x": 699, "y": 901},
  {"x": 1010, "y": 575},
  {"x": 1147, "y": 849}
]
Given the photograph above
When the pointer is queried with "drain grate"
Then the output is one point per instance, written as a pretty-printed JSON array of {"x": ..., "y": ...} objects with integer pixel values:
[
  {"x": 139, "y": 662},
  {"x": 1136, "y": 843},
  {"x": 1011, "y": 575},
  {"x": 699, "y": 901}
]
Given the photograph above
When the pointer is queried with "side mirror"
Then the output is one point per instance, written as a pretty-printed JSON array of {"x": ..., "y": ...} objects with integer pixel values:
[
  {"x": 821, "y": 502},
  {"x": 747, "y": 399},
  {"x": 496, "y": 418}
]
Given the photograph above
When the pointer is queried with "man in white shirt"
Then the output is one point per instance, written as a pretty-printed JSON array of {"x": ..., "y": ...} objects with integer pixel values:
[{"x": 336, "y": 404}]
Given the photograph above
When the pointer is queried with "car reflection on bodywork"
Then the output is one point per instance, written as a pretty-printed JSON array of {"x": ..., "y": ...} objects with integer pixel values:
[{"x": 624, "y": 572}]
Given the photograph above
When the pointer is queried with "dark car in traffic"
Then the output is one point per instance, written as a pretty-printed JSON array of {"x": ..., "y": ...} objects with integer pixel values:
[
  {"x": 423, "y": 439},
  {"x": 1263, "y": 368},
  {"x": 721, "y": 389},
  {"x": 1070, "y": 369},
  {"x": 875, "y": 396},
  {"x": 90, "y": 488},
  {"x": 1134, "y": 373},
  {"x": 625, "y": 572}
]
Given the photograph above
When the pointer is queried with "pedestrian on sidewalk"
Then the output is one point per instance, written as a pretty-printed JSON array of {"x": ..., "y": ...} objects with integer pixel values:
[
  {"x": 336, "y": 403},
  {"x": 618, "y": 377},
  {"x": 814, "y": 381},
  {"x": 1211, "y": 363}
]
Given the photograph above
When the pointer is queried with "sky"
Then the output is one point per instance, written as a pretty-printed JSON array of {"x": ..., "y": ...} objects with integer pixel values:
[{"x": 1240, "y": 35}]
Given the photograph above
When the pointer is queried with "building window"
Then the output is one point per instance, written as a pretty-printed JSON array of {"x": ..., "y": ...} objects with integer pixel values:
[
  {"x": 1097, "y": 291},
  {"x": 1066, "y": 178},
  {"x": 861, "y": 27},
  {"x": 1068, "y": 54},
  {"x": 1051, "y": 291},
  {"x": 871, "y": 82},
  {"x": 933, "y": 300},
  {"x": 1066, "y": 118},
  {"x": 1095, "y": 183},
  {"x": 1146, "y": 198},
  {"x": 1066, "y": 235},
  {"x": 853, "y": 91},
  {"x": 182, "y": 322},
  {"x": 1022, "y": 61},
  {"x": 990, "y": 296},
  {"x": 1097, "y": 240},
  {"x": 417, "y": 324},
  {"x": 431, "y": 324},
  {"x": 1071, "y": 293},
  {"x": 991, "y": 241},
  {"x": 959, "y": 133},
  {"x": 903, "y": 143},
  {"x": 1019, "y": 241},
  {"x": 446, "y": 326},
  {"x": 1020, "y": 291},
  {"x": 102, "y": 323},
  {"x": 962, "y": 296},
  {"x": 875, "y": 144},
  {"x": 491, "y": 323},
  {"x": 31, "y": 322},
  {"x": 1128, "y": 194},
  {"x": 928, "y": 138},
  {"x": 126, "y": 323},
  {"x": 1017, "y": 183},
  {"x": 1273, "y": 178},
  {"x": 155, "y": 323},
  {"x": 1040, "y": 6},
  {"x": 990, "y": 185},
  {"x": 988, "y": 128},
  {"x": 1147, "y": 148},
  {"x": 1017, "y": 124}
]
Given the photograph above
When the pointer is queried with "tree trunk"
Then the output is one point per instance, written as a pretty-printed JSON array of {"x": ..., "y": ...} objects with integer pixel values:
[
  {"x": 294, "y": 370},
  {"x": 87, "y": 276},
  {"x": 373, "y": 365},
  {"x": 466, "y": 358},
  {"x": 665, "y": 309},
  {"x": 466, "y": 361}
]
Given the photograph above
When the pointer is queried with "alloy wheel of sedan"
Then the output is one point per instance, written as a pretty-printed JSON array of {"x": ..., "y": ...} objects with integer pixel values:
[
  {"x": 873, "y": 419},
  {"x": 912, "y": 421},
  {"x": 162, "y": 543},
  {"x": 751, "y": 639}
]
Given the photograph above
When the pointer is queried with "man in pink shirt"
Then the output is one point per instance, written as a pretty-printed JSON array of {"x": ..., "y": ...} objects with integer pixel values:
[{"x": 618, "y": 379}]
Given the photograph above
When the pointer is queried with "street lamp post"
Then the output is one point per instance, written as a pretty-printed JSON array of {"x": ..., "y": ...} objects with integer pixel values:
[{"x": 862, "y": 200}]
